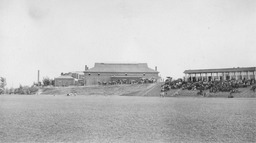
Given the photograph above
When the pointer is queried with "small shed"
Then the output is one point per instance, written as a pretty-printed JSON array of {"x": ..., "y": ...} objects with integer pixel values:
[{"x": 64, "y": 81}]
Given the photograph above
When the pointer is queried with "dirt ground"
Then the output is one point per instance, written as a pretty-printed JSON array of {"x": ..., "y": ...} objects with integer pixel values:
[{"x": 48, "y": 118}]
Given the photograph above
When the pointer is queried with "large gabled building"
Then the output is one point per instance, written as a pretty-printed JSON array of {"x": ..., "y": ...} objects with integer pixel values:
[
  {"x": 239, "y": 73},
  {"x": 105, "y": 72}
]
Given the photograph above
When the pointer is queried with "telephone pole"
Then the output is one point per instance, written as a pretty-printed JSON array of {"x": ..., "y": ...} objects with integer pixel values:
[{"x": 38, "y": 74}]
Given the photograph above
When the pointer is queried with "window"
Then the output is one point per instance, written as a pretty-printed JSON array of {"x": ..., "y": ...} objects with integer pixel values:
[
  {"x": 125, "y": 74},
  {"x": 144, "y": 74},
  {"x": 98, "y": 74},
  {"x": 89, "y": 74}
]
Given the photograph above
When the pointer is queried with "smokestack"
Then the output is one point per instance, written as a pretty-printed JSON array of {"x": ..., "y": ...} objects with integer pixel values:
[
  {"x": 38, "y": 75},
  {"x": 155, "y": 68}
]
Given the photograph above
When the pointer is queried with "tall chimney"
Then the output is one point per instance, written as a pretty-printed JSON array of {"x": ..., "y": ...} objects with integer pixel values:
[
  {"x": 155, "y": 68},
  {"x": 38, "y": 75}
]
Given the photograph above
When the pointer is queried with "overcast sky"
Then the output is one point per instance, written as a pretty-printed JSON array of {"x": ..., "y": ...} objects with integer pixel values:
[{"x": 56, "y": 36}]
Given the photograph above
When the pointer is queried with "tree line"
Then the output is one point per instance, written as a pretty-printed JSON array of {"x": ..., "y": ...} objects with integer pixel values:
[{"x": 33, "y": 89}]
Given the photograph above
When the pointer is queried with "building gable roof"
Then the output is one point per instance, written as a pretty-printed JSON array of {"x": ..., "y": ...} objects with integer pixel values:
[
  {"x": 121, "y": 67},
  {"x": 78, "y": 72},
  {"x": 239, "y": 69}
]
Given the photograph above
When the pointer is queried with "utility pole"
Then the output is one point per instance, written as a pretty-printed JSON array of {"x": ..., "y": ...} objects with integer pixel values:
[{"x": 38, "y": 74}]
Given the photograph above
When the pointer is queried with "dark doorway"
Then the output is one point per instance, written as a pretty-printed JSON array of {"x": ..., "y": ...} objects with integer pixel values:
[
  {"x": 209, "y": 78},
  {"x": 194, "y": 79}
]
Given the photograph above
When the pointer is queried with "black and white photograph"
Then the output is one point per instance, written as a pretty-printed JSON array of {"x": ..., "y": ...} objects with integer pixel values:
[{"x": 127, "y": 71}]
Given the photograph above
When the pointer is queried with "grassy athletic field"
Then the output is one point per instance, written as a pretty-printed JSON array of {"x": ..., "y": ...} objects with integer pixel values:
[{"x": 47, "y": 118}]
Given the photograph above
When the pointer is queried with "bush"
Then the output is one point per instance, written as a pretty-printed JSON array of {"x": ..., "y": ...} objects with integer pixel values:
[
  {"x": 253, "y": 88},
  {"x": 1, "y": 90},
  {"x": 47, "y": 81},
  {"x": 26, "y": 90},
  {"x": 230, "y": 96},
  {"x": 33, "y": 90}
]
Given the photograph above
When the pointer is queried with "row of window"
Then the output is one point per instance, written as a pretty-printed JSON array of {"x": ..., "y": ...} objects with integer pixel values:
[{"x": 222, "y": 73}]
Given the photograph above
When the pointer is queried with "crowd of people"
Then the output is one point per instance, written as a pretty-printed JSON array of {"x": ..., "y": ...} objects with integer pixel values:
[
  {"x": 126, "y": 81},
  {"x": 213, "y": 86}
]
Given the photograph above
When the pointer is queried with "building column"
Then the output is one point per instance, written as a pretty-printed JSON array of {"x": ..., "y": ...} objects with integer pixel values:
[
  {"x": 248, "y": 76},
  {"x": 242, "y": 74}
]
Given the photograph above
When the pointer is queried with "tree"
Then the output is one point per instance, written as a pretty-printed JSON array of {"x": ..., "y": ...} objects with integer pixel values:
[
  {"x": 2, "y": 84},
  {"x": 46, "y": 81},
  {"x": 18, "y": 90}
]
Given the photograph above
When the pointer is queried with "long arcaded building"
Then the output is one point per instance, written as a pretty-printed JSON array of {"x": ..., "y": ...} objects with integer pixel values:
[{"x": 239, "y": 73}]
